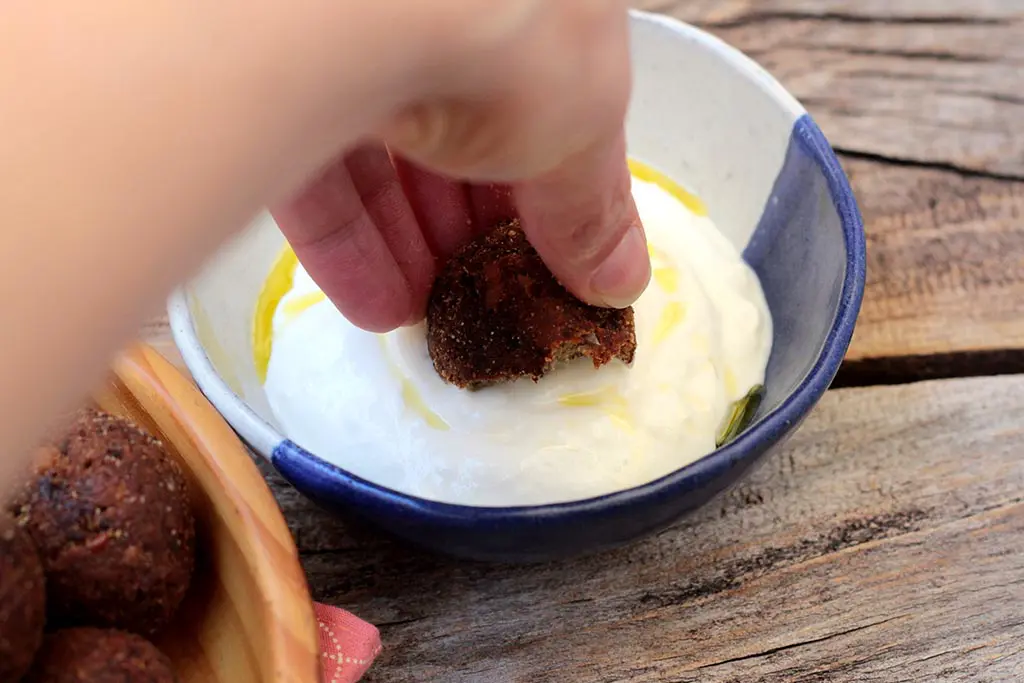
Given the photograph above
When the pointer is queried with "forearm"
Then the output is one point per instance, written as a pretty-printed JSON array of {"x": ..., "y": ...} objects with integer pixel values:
[{"x": 129, "y": 154}]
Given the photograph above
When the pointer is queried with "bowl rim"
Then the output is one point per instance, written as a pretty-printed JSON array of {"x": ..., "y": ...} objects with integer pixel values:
[
  {"x": 769, "y": 429},
  {"x": 156, "y": 387}
]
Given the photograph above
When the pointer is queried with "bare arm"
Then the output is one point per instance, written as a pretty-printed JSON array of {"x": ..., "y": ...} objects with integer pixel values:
[{"x": 138, "y": 136}]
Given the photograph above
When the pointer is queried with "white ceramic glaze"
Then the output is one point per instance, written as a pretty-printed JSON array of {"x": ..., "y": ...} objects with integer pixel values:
[{"x": 702, "y": 112}]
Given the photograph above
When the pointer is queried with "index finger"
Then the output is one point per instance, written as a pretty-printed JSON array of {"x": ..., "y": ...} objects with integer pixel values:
[{"x": 583, "y": 221}]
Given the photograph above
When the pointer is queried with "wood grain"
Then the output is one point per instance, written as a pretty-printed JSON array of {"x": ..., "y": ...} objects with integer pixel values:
[
  {"x": 885, "y": 543},
  {"x": 936, "y": 81},
  {"x": 248, "y": 615},
  {"x": 924, "y": 99},
  {"x": 945, "y": 264}
]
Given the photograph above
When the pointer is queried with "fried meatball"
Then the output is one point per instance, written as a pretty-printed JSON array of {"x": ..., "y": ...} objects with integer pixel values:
[
  {"x": 91, "y": 655},
  {"x": 22, "y": 601},
  {"x": 110, "y": 514},
  {"x": 496, "y": 313}
]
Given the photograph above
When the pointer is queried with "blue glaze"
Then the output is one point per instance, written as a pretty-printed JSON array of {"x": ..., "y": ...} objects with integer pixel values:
[
  {"x": 808, "y": 251},
  {"x": 812, "y": 277}
]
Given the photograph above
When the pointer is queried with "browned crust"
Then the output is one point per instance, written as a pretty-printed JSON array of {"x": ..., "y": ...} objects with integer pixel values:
[
  {"x": 22, "y": 601},
  {"x": 496, "y": 313},
  {"x": 89, "y": 655},
  {"x": 110, "y": 514}
]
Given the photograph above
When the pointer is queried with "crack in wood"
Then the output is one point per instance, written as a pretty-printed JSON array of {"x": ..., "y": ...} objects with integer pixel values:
[
  {"x": 735, "y": 573},
  {"x": 948, "y": 451},
  {"x": 903, "y": 162},
  {"x": 998, "y": 506},
  {"x": 863, "y": 372},
  {"x": 398, "y": 622},
  {"x": 578, "y": 601},
  {"x": 902, "y": 53},
  {"x": 759, "y": 18},
  {"x": 798, "y": 644}
]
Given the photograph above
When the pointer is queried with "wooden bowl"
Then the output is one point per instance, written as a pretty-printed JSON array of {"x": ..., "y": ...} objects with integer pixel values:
[{"x": 248, "y": 615}]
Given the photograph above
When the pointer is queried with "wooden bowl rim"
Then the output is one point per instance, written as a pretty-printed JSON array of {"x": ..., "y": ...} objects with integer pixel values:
[{"x": 283, "y": 587}]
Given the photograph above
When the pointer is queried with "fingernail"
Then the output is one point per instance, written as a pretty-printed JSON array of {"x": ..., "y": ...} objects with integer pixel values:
[{"x": 624, "y": 275}]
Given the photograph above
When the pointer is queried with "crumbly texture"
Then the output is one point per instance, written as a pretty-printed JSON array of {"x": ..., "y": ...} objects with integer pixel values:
[
  {"x": 22, "y": 601},
  {"x": 496, "y": 314},
  {"x": 90, "y": 655},
  {"x": 110, "y": 514}
]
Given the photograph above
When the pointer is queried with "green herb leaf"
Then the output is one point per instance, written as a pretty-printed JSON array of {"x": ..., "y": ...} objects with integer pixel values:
[{"x": 740, "y": 417}]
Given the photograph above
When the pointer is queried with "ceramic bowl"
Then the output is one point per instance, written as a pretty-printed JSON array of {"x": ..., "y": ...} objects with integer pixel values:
[
  {"x": 248, "y": 615},
  {"x": 711, "y": 119}
]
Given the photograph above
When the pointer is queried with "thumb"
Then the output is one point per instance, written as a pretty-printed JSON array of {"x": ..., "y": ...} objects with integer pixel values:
[{"x": 583, "y": 222}]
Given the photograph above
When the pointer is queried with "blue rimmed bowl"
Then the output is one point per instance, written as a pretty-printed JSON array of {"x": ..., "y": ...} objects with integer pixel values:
[{"x": 708, "y": 117}]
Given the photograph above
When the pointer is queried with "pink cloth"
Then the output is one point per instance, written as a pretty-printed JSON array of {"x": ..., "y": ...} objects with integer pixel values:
[{"x": 348, "y": 645}]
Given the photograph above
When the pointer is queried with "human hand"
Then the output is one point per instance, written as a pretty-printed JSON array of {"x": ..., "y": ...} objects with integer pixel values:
[
  {"x": 187, "y": 118},
  {"x": 532, "y": 107}
]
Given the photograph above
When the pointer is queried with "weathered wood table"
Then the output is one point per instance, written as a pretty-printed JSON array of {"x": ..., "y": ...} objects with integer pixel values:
[{"x": 886, "y": 543}]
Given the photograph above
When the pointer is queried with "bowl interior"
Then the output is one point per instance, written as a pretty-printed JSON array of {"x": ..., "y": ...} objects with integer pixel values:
[
  {"x": 248, "y": 615},
  {"x": 702, "y": 113}
]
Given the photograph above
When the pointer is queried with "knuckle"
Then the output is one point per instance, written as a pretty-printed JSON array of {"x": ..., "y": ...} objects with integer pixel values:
[
  {"x": 590, "y": 240},
  {"x": 584, "y": 241},
  {"x": 388, "y": 202}
]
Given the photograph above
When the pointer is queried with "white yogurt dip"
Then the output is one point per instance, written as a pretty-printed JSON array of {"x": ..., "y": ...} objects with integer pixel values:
[{"x": 373, "y": 404}]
